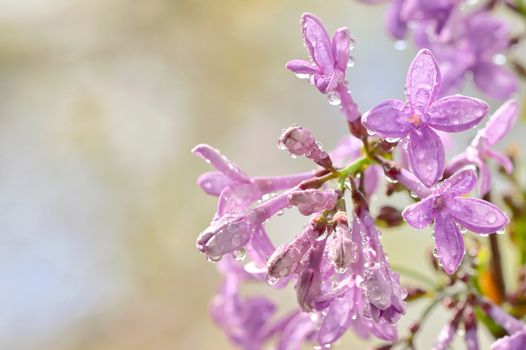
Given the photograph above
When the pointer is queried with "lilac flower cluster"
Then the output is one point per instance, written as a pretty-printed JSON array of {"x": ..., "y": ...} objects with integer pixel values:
[
  {"x": 464, "y": 39},
  {"x": 337, "y": 264}
]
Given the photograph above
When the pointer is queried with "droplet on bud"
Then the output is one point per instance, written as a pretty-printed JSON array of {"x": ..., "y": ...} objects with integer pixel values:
[
  {"x": 240, "y": 254},
  {"x": 303, "y": 76},
  {"x": 271, "y": 280},
  {"x": 334, "y": 99},
  {"x": 214, "y": 259},
  {"x": 351, "y": 62}
]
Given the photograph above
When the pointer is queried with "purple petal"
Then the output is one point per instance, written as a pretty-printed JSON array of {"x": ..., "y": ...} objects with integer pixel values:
[
  {"x": 514, "y": 342},
  {"x": 388, "y": 119},
  {"x": 485, "y": 178},
  {"x": 426, "y": 155},
  {"x": 237, "y": 199},
  {"x": 349, "y": 148},
  {"x": 501, "y": 122},
  {"x": 395, "y": 25},
  {"x": 214, "y": 182},
  {"x": 423, "y": 81},
  {"x": 460, "y": 183},
  {"x": 220, "y": 162},
  {"x": 487, "y": 34},
  {"x": 501, "y": 317},
  {"x": 456, "y": 113},
  {"x": 337, "y": 321},
  {"x": 449, "y": 242},
  {"x": 495, "y": 81},
  {"x": 502, "y": 159},
  {"x": 340, "y": 47},
  {"x": 471, "y": 339},
  {"x": 302, "y": 67},
  {"x": 477, "y": 215},
  {"x": 317, "y": 41},
  {"x": 420, "y": 214},
  {"x": 446, "y": 336},
  {"x": 296, "y": 332}
]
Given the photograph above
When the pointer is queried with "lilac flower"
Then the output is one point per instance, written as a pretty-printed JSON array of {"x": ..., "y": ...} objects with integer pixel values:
[
  {"x": 448, "y": 209},
  {"x": 469, "y": 44},
  {"x": 342, "y": 251},
  {"x": 479, "y": 151},
  {"x": 447, "y": 334},
  {"x": 432, "y": 14},
  {"x": 244, "y": 320},
  {"x": 329, "y": 62},
  {"x": 309, "y": 284},
  {"x": 415, "y": 119},
  {"x": 513, "y": 342},
  {"x": 301, "y": 142},
  {"x": 286, "y": 257},
  {"x": 313, "y": 200}
]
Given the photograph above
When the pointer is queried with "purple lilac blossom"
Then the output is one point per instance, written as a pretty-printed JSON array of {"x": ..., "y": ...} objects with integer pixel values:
[
  {"x": 431, "y": 13},
  {"x": 480, "y": 149},
  {"x": 329, "y": 61},
  {"x": 313, "y": 200},
  {"x": 449, "y": 209},
  {"x": 415, "y": 119},
  {"x": 469, "y": 43}
]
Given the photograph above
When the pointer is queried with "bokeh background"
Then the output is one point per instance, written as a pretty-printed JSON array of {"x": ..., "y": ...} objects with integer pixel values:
[{"x": 100, "y": 104}]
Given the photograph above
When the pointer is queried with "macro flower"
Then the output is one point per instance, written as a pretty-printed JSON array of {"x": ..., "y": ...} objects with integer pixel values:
[
  {"x": 415, "y": 119},
  {"x": 301, "y": 142},
  {"x": 313, "y": 200},
  {"x": 470, "y": 43},
  {"x": 480, "y": 149},
  {"x": 432, "y": 14},
  {"x": 446, "y": 207},
  {"x": 330, "y": 59}
]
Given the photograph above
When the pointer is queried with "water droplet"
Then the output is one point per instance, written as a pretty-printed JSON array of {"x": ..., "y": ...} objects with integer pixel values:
[
  {"x": 340, "y": 269},
  {"x": 314, "y": 317},
  {"x": 435, "y": 253},
  {"x": 303, "y": 76},
  {"x": 400, "y": 45},
  {"x": 214, "y": 259},
  {"x": 392, "y": 139},
  {"x": 334, "y": 99},
  {"x": 351, "y": 62},
  {"x": 240, "y": 254},
  {"x": 352, "y": 44},
  {"x": 271, "y": 280},
  {"x": 501, "y": 231}
]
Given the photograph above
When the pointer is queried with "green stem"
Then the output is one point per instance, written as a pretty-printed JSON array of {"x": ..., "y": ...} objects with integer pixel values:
[
  {"x": 354, "y": 167},
  {"x": 416, "y": 275}
]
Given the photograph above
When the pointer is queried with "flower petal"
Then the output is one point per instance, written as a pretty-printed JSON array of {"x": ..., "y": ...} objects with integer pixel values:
[
  {"x": 388, "y": 119},
  {"x": 456, "y": 113},
  {"x": 420, "y": 214},
  {"x": 296, "y": 332},
  {"x": 495, "y": 81},
  {"x": 426, "y": 155},
  {"x": 423, "y": 81},
  {"x": 341, "y": 41},
  {"x": 317, "y": 41},
  {"x": 477, "y": 215},
  {"x": 485, "y": 178},
  {"x": 214, "y": 182},
  {"x": 460, "y": 183},
  {"x": 502, "y": 159},
  {"x": 220, "y": 162},
  {"x": 338, "y": 319},
  {"x": 302, "y": 67},
  {"x": 513, "y": 342},
  {"x": 395, "y": 25},
  {"x": 501, "y": 122},
  {"x": 449, "y": 242}
]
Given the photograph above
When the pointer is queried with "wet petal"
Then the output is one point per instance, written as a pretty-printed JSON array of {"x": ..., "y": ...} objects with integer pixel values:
[
  {"x": 477, "y": 215},
  {"x": 302, "y": 67},
  {"x": 220, "y": 162},
  {"x": 296, "y": 332},
  {"x": 420, "y": 214},
  {"x": 449, "y": 242},
  {"x": 426, "y": 155},
  {"x": 395, "y": 25},
  {"x": 495, "y": 81},
  {"x": 501, "y": 122},
  {"x": 456, "y": 113},
  {"x": 388, "y": 119},
  {"x": 337, "y": 321},
  {"x": 460, "y": 183},
  {"x": 317, "y": 41},
  {"x": 423, "y": 81},
  {"x": 214, "y": 182},
  {"x": 485, "y": 178},
  {"x": 502, "y": 159},
  {"x": 514, "y": 342},
  {"x": 340, "y": 48}
]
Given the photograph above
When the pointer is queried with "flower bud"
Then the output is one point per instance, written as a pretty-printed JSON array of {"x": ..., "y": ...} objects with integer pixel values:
[
  {"x": 342, "y": 250},
  {"x": 313, "y": 200},
  {"x": 301, "y": 142}
]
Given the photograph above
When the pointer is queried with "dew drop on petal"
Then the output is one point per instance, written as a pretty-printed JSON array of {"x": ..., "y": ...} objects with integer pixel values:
[
  {"x": 334, "y": 99},
  {"x": 400, "y": 45},
  {"x": 271, "y": 280},
  {"x": 501, "y": 231},
  {"x": 240, "y": 254},
  {"x": 303, "y": 76},
  {"x": 352, "y": 44},
  {"x": 351, "y": 62},
  {"x": 214, "y": 259}
]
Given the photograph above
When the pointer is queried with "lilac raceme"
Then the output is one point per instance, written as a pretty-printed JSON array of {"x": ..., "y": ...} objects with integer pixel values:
[{"x": 337, "y": 264}]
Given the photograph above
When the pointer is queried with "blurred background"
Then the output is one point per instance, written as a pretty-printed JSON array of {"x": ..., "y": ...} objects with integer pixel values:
[{"x": 100, "y": 104}]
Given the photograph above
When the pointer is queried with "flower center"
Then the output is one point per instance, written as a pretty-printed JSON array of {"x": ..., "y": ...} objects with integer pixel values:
[{"x": 414, "y": 119}]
